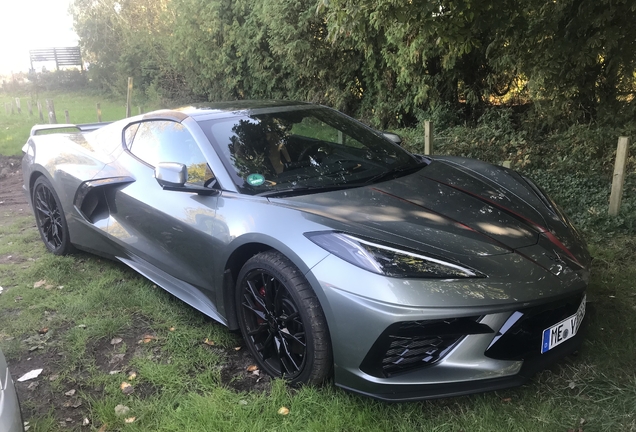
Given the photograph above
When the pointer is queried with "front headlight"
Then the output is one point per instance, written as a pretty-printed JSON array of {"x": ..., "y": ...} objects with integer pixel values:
[{"x": 386, "y": 260}]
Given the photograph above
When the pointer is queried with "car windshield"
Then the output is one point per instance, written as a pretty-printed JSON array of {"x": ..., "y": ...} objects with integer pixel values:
[{"x": 301, "y": 149}]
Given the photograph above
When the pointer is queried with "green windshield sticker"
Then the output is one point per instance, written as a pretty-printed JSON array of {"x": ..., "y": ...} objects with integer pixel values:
[{"x": 255, "y": 179}]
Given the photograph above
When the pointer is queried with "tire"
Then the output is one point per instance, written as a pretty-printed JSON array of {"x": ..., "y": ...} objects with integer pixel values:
[
  {"x": 281, "y": 320},
  {"x": 50, "y": 218}
]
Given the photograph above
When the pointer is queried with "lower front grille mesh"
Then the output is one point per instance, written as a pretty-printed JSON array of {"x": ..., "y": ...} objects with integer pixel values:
[
  {"x": 410, "y": 345},
  {"x": 405, "y": 353}
]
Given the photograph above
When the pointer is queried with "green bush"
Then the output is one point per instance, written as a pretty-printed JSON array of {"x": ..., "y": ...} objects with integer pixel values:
[
  {"x": 61, "y": 80},
  {"x": 574, "y": 165}
]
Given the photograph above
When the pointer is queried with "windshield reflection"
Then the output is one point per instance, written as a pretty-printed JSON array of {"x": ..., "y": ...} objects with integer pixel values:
[{"x": 303, "y": 150}]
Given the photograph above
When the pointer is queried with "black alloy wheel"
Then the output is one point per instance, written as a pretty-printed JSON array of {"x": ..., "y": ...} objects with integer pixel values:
[
  {"x": 281, "y": 320},
  {"x": 50, "y": 218}
]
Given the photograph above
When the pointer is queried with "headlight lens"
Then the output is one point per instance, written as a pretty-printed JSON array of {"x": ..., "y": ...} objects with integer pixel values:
[{"x": 386, "y": 260}]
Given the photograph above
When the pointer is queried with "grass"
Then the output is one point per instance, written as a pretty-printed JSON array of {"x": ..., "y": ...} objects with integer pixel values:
[
  {"x": 599, "y": 388},
  {"x": 15, "y": 128},
  {"x": 85, "y": 301},
  {"x": 178, "y": 387}
]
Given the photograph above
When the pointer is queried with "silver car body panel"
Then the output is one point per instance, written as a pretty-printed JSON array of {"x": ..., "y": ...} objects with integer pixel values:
[
  {"x": 482, "y": 216},
  {"x": 10, "y": 416}
]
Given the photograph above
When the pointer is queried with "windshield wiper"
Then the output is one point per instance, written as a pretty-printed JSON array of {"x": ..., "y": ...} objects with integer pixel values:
[{"x": 300, "y": 190}]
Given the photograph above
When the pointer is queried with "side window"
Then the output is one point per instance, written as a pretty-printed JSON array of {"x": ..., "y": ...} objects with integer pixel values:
[{"x": 168, "y": 141}]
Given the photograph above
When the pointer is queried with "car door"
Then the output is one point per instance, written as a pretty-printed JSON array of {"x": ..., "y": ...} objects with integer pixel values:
[{"x": 173, "y": 231}]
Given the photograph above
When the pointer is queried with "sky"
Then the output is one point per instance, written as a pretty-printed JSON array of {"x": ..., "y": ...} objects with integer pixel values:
[{"x": 31, "y": 24}]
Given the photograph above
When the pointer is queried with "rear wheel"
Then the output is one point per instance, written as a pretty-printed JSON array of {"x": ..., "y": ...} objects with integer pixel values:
[
  {"x": 50, "y": 218},
  {"x": 281, "y": 320}
]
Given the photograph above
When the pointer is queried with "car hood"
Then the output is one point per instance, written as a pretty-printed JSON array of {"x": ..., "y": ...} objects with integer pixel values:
[{"x": 454, "y": 205}]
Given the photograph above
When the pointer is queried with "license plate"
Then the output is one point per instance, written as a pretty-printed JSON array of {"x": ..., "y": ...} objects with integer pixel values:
[{"x": 566, "y": 329}]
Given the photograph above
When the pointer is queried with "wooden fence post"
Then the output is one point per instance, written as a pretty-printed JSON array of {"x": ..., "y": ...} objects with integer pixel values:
[
  {"x": 40, "y": 111},
  {"x": 30, "y": 107},
  {"x": 50, "y": 106},
  {"x": 67, "y": 117},
  {"x": 619, "y": 176},
  {"x": 99, "y": 113},
  {"x": 428, "y": 137},
  {"x": 17, "y": 104},
  {"x": 129, "y": 96}
]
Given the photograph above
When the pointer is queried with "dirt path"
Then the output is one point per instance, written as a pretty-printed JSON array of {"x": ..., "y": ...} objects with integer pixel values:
[{"x": 12, "y": 199}]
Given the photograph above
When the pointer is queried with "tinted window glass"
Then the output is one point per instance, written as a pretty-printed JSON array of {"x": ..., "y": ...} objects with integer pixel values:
[
  {"x": 307, "y": 149},
  {"x": 167, "y": 141}
]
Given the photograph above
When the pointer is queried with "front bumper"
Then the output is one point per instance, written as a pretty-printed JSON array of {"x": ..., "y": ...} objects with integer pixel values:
[{"x": 358, "y": 321}]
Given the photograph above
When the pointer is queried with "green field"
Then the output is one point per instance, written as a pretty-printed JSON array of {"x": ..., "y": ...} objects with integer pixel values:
[{"x": 82, "y": 108}]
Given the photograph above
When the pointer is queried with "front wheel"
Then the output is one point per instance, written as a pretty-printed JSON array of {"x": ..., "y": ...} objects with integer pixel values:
[
  {"x": 50, "y": 218},
  {"x": 281, "y": 320}
]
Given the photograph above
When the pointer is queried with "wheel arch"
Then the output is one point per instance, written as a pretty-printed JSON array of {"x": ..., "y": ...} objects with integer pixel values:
[
  {"x": 252, "y": 245},
  {"x": 233, "y": 265}
]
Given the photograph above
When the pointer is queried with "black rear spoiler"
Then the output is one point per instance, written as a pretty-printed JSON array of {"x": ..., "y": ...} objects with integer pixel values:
[{"x": 87, "y": 127}]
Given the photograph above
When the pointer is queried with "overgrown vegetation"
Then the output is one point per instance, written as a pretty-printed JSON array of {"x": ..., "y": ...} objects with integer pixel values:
[{"x": 389, "y": 62}]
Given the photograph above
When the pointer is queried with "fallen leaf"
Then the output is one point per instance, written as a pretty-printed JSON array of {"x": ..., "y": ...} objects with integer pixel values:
[
  {"x": 132, "y": 376},
  {"x": 86, "y": 422},
  {"x": 172, "y": 328},
  {"x": 126, "y": 388},
  {"x": 283, "y": 411},
  {"x": 30, "y": 375},
  {"x": 53, "y": 377},
  {"x": 208, "y": 342},
  {"x": 39, "y": 283},
  {"x": 237, "y": 348},
  {"x": 252, "y": 368},
  {"x": 48, "y": 287},
  {"x": 256, "y": 372},
  {"x": 103, "y": 428},
  {"x": 43, "y": 330},
  {"x": 82, "y": 326},
  {"x": 148, "y": 338},
  {"x": 506, "y": 400},
  {"x": 129, "y": 420},
  {"x": 121, "y": 410},
  {"x": 114, "y": 372},
  {"x": 69, "y": 420},
  {"x": 116, "y": 341},
  {"x": 70, "y": 392},
  {"x": 33, "y": 385}
]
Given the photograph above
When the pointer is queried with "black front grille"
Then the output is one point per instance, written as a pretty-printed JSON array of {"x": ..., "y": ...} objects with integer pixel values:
[
  {"x": 522, "y": 340},
  {"x": 410, "y": 345}
]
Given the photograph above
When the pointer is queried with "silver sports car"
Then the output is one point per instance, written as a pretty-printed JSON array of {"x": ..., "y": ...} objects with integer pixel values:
[
  {"x": 333, "y": 250},
  {"x": 10, "y": 416}
]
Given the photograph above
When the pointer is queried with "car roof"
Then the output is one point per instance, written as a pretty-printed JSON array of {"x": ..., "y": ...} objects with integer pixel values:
[{"x": 207, "y": 110}]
